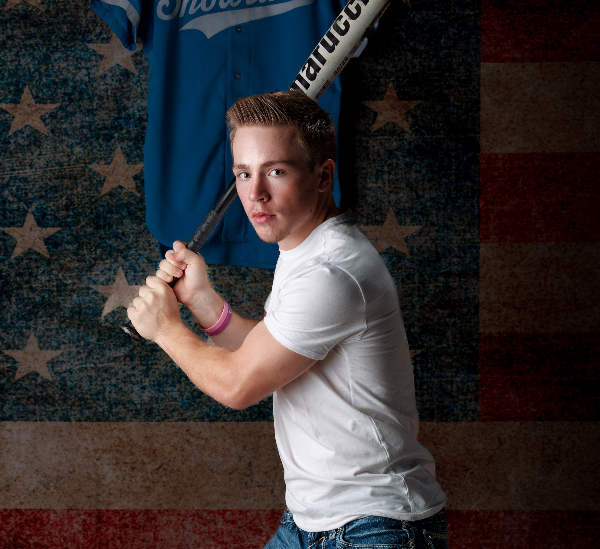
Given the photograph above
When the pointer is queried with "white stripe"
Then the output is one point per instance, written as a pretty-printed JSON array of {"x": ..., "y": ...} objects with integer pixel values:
[
  {"x": 216, "y": 22},
  {"x": 131, "y": 12}
]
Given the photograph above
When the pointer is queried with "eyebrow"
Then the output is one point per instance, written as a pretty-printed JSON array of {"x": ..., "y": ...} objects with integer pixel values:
[{"x": 265, "y": 164}]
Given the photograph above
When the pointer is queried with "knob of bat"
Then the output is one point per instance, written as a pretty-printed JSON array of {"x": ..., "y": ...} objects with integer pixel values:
[{"x": 128, "y": 328}]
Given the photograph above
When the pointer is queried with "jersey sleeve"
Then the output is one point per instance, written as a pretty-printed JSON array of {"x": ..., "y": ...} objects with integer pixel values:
[
  {"x": 122, "y": 16},
  {"x": 317, "y": 311}
]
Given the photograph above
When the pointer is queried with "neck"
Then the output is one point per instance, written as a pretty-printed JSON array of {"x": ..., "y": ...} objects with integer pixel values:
[
  {"x": 332, "y": 209},
  {"x": 325, "y": 209}
]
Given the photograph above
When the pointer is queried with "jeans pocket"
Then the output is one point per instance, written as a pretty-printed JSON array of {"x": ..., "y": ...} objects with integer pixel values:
[{"x": 373, "y": 532}]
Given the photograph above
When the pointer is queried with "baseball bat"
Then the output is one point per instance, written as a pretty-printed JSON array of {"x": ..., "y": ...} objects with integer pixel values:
[{"x": 325, "y": 63}]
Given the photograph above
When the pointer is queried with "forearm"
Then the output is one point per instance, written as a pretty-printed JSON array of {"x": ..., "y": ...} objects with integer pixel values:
[
  {"x": 212, "y": 369},
  {"x": 234, "y": 335},
  {"x": 207, "y": 309},
  {"x": 237, "y": 379}
]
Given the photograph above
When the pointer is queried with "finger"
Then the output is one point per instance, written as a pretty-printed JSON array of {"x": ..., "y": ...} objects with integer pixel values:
[
  {"x": 178, "y": 252},
  {"x": 131, "y": 310},
  {"x": 143, "y": 291},
  {"x": 170, "y": 269},
  {"x": 181, "y": 254},
  {"x": 156, "y": 284},
  {"x": 164, "y": 276},
  {"x": 153, "y": 281},
  {"x": 176, "y": 259}
]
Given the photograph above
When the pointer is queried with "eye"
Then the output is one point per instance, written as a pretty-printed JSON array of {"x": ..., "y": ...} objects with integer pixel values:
[
  {"x": 243, "y": 175},
  {"x": 276, "y": 172}
]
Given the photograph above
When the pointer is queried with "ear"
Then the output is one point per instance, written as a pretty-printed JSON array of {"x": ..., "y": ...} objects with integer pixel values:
[{"x": 327, "y": 169}]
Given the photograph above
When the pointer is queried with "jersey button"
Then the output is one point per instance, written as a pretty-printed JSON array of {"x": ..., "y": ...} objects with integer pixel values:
[
  {"x": 238, "y": 75},
  {"x": 238, "y": 28}
]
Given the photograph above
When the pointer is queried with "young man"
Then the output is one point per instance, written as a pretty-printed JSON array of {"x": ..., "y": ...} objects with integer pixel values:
[{"x": 331, "y": 348}]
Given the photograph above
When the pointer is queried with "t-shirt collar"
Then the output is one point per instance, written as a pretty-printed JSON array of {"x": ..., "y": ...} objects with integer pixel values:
[{"x": 310, "y": 241}]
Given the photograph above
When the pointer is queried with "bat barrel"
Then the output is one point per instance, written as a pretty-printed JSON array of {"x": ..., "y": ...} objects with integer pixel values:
[{"x": 339, "y": 44}]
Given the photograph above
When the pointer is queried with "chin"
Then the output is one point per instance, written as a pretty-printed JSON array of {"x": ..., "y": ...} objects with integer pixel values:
[
  {"x": 268, "y": 238},
  {"x": 271, "y": 237}
]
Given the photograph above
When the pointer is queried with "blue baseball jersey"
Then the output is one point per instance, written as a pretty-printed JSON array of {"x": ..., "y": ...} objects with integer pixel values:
[{"x": 203, "y": 55}]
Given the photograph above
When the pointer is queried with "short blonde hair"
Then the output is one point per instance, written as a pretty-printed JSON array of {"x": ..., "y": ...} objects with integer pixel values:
[{"x": 289, "y": 108}]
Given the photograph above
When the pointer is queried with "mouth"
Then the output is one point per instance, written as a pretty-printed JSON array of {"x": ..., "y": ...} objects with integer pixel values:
[{"x": 262, "y": 217}]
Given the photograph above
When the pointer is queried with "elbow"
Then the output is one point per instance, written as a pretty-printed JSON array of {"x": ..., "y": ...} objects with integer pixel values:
[
  {"x": 231, "y": 401},
  {"x": 240, "y": 398},
  {"x": 236, "y": 405},
  {"x": 240, "y": 388},
  {"x": 228, "y": 398},
  {"x": 231, "y": 396},
  {"x": 238, "y": 401}
]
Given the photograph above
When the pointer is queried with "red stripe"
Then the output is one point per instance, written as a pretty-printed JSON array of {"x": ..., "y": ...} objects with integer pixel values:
[
  {"x": 539, "y": 377},
  {"x": 540, "y": 197},
  {"x": 522, "y": 529},
  {"x": 132, "y": 529},
  {"x": 539, "y": 31},
  {"x": 136, "y": 529}
]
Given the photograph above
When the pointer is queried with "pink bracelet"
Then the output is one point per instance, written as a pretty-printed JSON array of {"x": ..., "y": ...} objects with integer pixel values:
[{"x": 222, "y": 323}]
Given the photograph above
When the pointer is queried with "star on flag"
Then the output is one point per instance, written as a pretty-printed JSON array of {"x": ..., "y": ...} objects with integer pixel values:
[
  {"x": 120, "y": 293},
  {"x": 12, "y": 3},
  {"x": 30, "y": 236},
  {"x": 28, "y": 112},
  {"x": 391, "y": 234},
  {"x": 32, "y": 359},
  {"x": 391, "y": 109},
  {"x": 115, "y": 54},
  {"x": 118, "y": 173}
]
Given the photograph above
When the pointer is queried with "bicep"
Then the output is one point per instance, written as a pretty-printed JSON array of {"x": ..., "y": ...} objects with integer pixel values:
[{"x": 265, "y": 365}]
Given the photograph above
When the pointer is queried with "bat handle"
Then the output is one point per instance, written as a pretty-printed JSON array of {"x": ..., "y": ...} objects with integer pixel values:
[
  {"x": 128, "y": 326},
  {"x": 198, "y": 238}
]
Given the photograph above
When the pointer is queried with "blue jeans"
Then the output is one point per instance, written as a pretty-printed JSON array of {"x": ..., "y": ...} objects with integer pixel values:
[{"x": 366, "y": 533}]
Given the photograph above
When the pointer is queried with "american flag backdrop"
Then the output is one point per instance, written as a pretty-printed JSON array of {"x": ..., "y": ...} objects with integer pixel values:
[{"x": 471, "y": 150}]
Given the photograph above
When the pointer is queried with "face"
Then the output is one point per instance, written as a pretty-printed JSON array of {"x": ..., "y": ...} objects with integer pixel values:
[{"x": 282, "y": 198}]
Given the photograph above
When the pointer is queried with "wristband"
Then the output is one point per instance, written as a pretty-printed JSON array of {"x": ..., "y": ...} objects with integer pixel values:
[{"x": 222, "y": 323}]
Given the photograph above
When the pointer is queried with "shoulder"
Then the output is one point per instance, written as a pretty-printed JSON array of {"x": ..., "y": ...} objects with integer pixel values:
[
  {"x": 316, "y": 309},
  {"x": 323, "y": 282}
]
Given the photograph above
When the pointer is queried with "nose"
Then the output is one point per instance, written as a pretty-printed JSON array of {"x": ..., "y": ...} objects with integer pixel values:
[{"x": 258, "y": 190}]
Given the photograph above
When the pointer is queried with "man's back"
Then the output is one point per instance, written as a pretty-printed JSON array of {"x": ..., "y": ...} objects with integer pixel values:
[{"x": 346, "y": 429}]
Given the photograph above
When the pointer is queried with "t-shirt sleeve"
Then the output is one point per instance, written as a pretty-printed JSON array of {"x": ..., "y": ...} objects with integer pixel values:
[
  {"x": 123, "y": 17},
  {"x": 316, "y": 311},
  {"x": 267, "y": 301}
]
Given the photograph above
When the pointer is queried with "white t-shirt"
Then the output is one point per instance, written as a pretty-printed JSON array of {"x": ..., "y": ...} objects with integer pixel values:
[{"x": 346, "y": 429}]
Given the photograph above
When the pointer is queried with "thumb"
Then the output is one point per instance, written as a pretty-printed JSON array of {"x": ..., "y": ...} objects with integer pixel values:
[{"x": 182, "y": 255}]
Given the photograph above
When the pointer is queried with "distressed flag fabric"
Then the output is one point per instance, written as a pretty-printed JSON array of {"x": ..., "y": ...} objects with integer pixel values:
[{"x": 470, "y": 156}]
